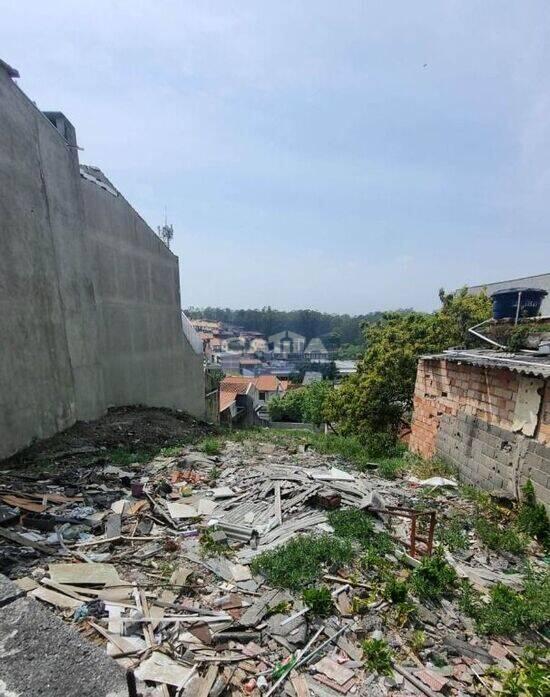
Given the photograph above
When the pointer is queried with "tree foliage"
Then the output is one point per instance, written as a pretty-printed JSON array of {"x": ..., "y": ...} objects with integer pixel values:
[
  {"x": 305, "y": 404},
  {"x": 381, "y": 391},
  {"x": 335, "y": 330}
]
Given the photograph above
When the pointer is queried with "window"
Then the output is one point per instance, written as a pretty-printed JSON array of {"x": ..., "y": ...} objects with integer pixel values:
[{"x": 262, "y": 396}]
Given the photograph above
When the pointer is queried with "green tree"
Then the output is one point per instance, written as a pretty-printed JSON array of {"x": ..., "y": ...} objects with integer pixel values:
[{"x": 381, "y": 391}]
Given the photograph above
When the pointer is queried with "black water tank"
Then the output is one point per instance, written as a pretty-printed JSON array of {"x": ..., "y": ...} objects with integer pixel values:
[{"x": 505, "y": 302}]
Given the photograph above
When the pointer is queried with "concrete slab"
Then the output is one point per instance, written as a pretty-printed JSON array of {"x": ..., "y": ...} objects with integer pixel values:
[
  {"x": 9, "y": 591},
  {"x": 42, "y": 656}
]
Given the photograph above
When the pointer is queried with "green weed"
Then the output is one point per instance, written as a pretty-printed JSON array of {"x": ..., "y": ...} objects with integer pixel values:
[
  {"x": 357, "y": 526},
  {"x": 123, "y": 457},
  {"x": 506, "y": 611},
  {"x": 391, "y": 467},
  {"x": 172, "y": 450},
  {"x": 532, "y": 516},
  {"x": 434, "y": 578},
  {"x": 499, "y": 539},
  {"x": 302, "y": 560},
  {"x": 378, "y": 656},
  {"x": 424, "y": 469},
  {"x": 212, "y": 548},
  {"x": 395, "y": 591},
  {"x": 451, "y": 532},
  {"x": 211, "y": 446},
  {"x": 531, "y": 675},
  {"x": 319, "y": 601},
  {"x": 417, "y": 640}
]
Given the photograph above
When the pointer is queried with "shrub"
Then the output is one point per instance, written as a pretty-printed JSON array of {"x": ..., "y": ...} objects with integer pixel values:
[
  {"x": 434, "y": 578},
  {"x": 302, "y": 560},
  {"x": 395, "y": 590},
  {"x": 531, "y": 675},
  {"x": 508, "y": 611}
]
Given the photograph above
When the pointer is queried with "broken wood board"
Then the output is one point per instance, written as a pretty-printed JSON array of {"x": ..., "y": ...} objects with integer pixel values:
[
  {"x": 54, "y": 598},
  {"x": 163, "y": 669}
]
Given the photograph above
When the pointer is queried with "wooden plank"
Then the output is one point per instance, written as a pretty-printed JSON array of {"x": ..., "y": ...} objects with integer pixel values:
[
  {"x": 207, "y": 681},
  {"x": 54, "y": 598},
  {"x": 24, "y": 504},
  {"x": 278, "y": 513},
  {"x": 20, "y": 540}
]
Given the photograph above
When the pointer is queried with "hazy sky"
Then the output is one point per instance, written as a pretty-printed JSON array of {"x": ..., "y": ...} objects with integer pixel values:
[{"x": 345, "y": 156}]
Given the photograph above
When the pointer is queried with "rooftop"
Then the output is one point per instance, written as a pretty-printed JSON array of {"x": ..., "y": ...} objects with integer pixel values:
[{"x": 526, "y": 364}]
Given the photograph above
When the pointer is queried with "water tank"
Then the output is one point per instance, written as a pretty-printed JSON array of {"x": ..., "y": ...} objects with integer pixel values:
[{"x": 505, "y": 302}]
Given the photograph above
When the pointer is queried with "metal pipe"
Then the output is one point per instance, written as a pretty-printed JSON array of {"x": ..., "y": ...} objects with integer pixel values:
[{"x": 472, "y": 330}]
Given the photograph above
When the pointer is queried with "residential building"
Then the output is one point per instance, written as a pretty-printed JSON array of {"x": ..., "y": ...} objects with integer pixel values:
[
  {"x": 316, "y": 351},
  {"x": 344, "y": 368},
  {"x": 311, "y": 376},
  {"x": 287, "y": 342},
  {"x": 258, "y": 345},
  {"x": 541, "y": 281},
  {"x": 488, "y": 414}
]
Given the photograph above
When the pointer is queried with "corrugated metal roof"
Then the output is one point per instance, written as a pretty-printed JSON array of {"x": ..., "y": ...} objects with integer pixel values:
[{"x": 526, "y": 364}]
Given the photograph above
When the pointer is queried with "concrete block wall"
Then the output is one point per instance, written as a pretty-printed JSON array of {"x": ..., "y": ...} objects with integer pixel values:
[
  {"x": 89, "y": 296},
  {"x": 465, "y": 414}
]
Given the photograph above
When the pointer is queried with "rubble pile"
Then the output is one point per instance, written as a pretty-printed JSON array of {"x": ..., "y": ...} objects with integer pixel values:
[{"x": 157, "y": 561}]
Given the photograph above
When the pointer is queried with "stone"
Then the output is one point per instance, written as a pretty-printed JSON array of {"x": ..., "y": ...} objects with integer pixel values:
[{"x": 41, "y": 655}]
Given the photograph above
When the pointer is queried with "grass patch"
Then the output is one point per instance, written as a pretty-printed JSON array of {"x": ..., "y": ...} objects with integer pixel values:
[
  {"x": 391, "y": 467},
  {"x": 434, "y": 578},
  {"x": 124, "y": 457},
  {"x": 357, "y": 526},
  {"x": 451, "y": 532},
  {"x": 302, "y": 561},
  {"x": 172, "y": 450},
  {"x": 319, "y": 601},
  {"x": 211, "y": 446},
  {"x": 395, "y": 591},
  {"x": 417, "y": 640},
  {"x": 499, "y": 539},
  {"x": 506, "y": 611},
  {"x": 378, "y": 656},
  {"x": 424, "y": 469}
]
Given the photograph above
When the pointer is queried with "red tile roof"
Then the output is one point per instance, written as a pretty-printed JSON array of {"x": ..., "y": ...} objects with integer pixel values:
[{"x": 267, "y": 383}]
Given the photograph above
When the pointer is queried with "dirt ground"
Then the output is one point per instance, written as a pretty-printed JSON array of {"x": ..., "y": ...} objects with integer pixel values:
[{"x": 136, "y": 429}]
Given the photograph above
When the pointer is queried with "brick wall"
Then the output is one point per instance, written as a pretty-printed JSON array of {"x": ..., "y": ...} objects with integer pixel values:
[{"x": 465, "y": 413}]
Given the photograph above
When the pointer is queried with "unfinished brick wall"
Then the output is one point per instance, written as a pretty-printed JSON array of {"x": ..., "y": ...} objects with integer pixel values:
[
  {"x": 445, "y": 387},
  {"x": 465, "y": 414}
]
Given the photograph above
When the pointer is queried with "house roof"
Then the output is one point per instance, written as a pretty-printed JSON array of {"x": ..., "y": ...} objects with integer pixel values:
[
  {"x": 267, "y": 383},
  {"x": 230, "y": 387},
  {"x": 526, "y": 364},
  {"x": 286, "y": 335},
  {"x": 316, "y": 346}
]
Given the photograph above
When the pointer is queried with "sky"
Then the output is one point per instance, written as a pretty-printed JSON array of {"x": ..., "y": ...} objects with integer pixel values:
[{"x": 343, "y": 156}]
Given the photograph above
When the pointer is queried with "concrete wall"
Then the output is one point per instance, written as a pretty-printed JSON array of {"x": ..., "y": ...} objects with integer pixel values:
[
  {"x": 89, "y": 297},
  {"x": 492, "y": 424}
]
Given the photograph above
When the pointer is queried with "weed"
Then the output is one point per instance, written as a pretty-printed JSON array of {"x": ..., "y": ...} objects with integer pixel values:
[
  {"x": 172, "y": 450},
  {"x": 391, "y": 467},
  {"x": 378, "y": 656},
  {"x": 301, "y": 561},
  {"x": 214, "y": 474},
  {"x": 499, "y": 539},
  {"x": 211, "y": 446},
  {"x": 531, "y": 675},
  {"x": 452, "y": 533},
  {"x": 212, "y": 548},
  {"x": 478, "y": 496},
  {"x": 123, "y": 457},
  {"x": 395, "y": 590},
  {"x": 279, "y": 609},
  {"x": 507, "y": 611},
  {"x": 357, "y": 526},
  {"x": 434, "y": 578},
  {"x": 424, "y": 469},
  {"x": 417, "y": 640},
  {"x": 319, "y": 601},
  {"x": 532, "y": 516}
]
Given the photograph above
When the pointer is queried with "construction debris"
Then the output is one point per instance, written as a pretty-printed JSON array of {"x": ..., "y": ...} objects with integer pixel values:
[{"x": 153, "y": 560}]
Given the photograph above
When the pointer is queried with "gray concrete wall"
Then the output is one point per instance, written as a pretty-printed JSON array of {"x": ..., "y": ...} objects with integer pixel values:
[
  {"x": 493, "y": 458},
  {"x": 89, "y": 296}
]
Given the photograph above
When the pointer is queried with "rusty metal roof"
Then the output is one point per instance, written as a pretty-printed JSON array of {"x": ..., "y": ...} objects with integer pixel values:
[{"x": 526, "y": 364}]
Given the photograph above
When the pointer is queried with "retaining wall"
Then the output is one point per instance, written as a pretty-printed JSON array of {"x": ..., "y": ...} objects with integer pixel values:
[{"x": 89, "y": 296}]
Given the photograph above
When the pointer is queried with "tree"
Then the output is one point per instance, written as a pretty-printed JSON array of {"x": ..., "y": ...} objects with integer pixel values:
[{"x": 377, "y": 396}]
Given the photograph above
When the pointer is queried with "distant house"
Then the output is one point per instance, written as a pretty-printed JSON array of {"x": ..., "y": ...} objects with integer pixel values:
[
  {"x": 287, "y": 342},
  {"x": 311, "y": 376},
  {"x": 316, "y": 351},
  {"x": 541, "y": 281},
  {"x": 268, "y": 386},
  {"x": 345, "y": 367},
  {"x": 258, "y": 392},
  {"x": 258, "y": 345}
]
